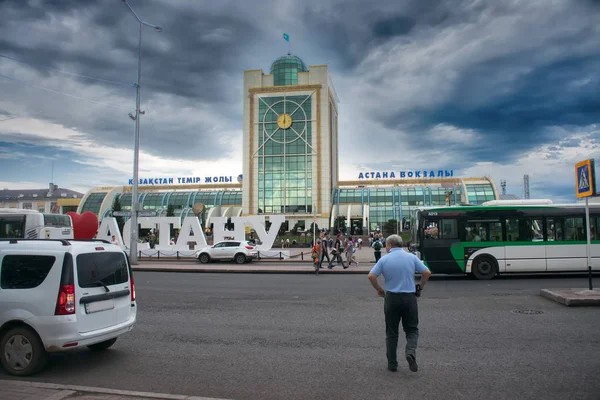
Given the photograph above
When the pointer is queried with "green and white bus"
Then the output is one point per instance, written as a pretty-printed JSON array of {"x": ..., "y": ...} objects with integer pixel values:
[{"x": 505, "y": 237}]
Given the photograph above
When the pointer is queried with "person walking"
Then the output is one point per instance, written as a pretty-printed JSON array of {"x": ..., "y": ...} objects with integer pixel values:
[
  {"x": 338, "y": 252},
  {"x": 315, "y": 255},
  {"x": 350, "y": 250},
  {"x": 398, "y": 268},
  {"x": 323, "y": 252},
  {"x": 377, "y": 249}
]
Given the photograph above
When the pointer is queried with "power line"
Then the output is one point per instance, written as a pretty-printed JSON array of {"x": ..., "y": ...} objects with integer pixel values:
[
  {"x": 67, "y": 73},
  {"x": 62, "y": 93}
]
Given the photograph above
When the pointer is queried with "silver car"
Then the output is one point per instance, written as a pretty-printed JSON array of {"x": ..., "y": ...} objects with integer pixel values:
[{"x": 239, "y": 251}]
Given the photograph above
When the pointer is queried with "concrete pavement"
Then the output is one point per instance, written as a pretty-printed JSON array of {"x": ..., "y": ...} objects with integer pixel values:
[
  {"x": 26, "y": 390},
  {"x": 573, "y": 297},
  {"x": 302, "y": 336}
]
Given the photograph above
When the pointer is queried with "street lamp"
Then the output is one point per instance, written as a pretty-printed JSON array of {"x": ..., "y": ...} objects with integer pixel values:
[{"x": 136, "y": 144}]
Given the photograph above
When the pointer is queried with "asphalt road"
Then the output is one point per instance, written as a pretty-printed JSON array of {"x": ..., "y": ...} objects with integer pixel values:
[{"x": 242, "y": 336}]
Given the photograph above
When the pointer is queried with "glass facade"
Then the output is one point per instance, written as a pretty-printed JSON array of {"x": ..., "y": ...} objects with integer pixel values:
[
  {"x": 285, "y": 70},
  {"x": 284, "y": 155},
  {"x": 480, "y": 193},
  {"x": 399, "y": 202},
  {"x": 183, "y": 202},
  {"x": 94, "y": 202}
]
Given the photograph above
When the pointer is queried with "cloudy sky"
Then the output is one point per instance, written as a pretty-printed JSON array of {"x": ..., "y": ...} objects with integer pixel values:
[{"x": 500, "y": 88}]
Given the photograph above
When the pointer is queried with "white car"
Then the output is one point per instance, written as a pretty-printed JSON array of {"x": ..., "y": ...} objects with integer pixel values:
[
  {"x": 239, "y": 251},
  {"x": 57, "y": 295}
]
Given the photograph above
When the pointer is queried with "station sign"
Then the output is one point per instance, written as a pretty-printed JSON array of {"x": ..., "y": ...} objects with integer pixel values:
[{"x": 413, "y": 174}]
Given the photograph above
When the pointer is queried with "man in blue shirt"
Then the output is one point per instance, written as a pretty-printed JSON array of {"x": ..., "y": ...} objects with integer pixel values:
[{"x": 398, "y": 268}]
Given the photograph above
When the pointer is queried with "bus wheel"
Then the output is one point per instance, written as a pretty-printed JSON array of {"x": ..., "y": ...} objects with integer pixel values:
[{"x": 484, "y": 268}]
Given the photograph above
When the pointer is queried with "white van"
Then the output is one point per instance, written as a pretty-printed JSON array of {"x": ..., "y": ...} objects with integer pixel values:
[{"x": 57, "y": 295}]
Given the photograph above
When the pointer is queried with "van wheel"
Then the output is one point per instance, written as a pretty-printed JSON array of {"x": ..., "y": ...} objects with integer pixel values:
[
  {"x": 240, "y": 258},
  {"x": 22, "y": 352},
  {"x": 204, "y": 258},
  {"x": 484, "y": 268},
  {"x": 102, "y": 345}
]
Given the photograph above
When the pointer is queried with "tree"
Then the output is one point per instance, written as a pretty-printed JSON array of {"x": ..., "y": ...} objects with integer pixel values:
[
  {"x": 117, "y": 207},
  {"x": 390, "y": 227},
  {"x": 170, "y": 210},
  {"x": 298, "y": 227},
  {"x": 340, "y": 224},
  {"x": 284, "y": 228}
]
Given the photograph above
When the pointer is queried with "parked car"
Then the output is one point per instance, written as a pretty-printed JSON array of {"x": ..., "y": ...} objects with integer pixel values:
[
  {"x": 239, "y": 251},
  {"x": 57, "y": 295}
]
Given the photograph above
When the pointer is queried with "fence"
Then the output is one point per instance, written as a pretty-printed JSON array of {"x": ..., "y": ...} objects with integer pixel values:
[{"x": 189, "y": 254}]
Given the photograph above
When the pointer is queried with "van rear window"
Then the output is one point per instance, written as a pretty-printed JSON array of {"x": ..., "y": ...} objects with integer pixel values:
[{"x": 102, "y": 268}]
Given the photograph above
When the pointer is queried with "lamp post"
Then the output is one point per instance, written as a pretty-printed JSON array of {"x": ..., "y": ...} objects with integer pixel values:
[{"x": 136, "y": 145}]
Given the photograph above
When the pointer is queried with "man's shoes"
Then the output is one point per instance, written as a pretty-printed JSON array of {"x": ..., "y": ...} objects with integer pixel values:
[
  {"x": 412, "y": 363},
  {"x": 346, "y": 266},
  {"x": 393, "y": 369}
]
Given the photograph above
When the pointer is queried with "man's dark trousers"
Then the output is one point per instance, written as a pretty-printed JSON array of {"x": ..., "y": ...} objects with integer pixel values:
[
  {"x": 324, "y": 254},
  {"x": 401, "y": 307}
]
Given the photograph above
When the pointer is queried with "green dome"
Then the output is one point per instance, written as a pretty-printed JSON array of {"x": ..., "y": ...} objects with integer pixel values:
[{"x": 285, "y": 70}]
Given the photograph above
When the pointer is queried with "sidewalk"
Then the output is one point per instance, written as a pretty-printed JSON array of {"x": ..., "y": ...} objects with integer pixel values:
[
  {"x": 26, "y": 390},
  {"x": 300, "y": 262}
]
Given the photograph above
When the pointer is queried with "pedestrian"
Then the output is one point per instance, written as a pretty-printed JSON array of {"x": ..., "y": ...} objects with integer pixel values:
[
  {"x": 350, "y": 250},
  {"x": 338, "y": 252},
  {"x": 377, "y": 249},
  {"x": 114, "y": 240},
  {"x": 359, "y": 243},
  {"x": 315, "y": 255},
  {"x": 398, "y": 268},
  {"x": 323, "y": 250}
]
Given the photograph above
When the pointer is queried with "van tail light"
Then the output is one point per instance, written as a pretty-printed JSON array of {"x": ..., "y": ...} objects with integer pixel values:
[
  {"x": 132, "y": 288},
  {"x": 65, "y": 302},
  {"x": 250, "y": 247}
]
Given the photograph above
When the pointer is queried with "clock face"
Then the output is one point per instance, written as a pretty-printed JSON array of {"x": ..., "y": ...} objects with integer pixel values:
[{"x": 284, "y": 121}]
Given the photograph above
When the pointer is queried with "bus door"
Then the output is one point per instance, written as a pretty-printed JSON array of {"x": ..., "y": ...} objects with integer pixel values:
[
  {"x": 439, "y": 243},
  {"x": 525, "y": 245}
]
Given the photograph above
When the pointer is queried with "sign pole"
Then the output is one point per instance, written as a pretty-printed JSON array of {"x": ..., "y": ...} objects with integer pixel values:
[
  {"x": 588, "y": 247},
  {"x": 314, "y": 224}
]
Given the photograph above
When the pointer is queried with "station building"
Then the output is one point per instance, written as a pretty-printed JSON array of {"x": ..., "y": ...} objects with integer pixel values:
[{"x": 291, "y": 166}]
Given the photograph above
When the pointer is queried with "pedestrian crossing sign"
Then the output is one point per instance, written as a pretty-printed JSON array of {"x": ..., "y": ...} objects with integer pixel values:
[{"x": 584, "y": 178}]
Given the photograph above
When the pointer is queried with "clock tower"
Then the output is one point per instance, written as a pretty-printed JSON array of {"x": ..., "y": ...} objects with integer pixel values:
[{"x": 290, "y": 142}]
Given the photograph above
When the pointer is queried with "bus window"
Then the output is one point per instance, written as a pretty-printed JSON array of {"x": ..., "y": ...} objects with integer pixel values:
[
  {"x": 574, "y": 229},
  {"x": 11, "y": 228},
  {"x": 57, "y": 220},
  {"x": 535, "y": 226},
  {"x": 431, "y": 229},
  {"x": 555, "y": 229},
  {"x": 483, "y": 231},
  {"x": 524, "y": 229},
  {"x": 595, "y": 225},
  {"x": 449, "y": 229}
]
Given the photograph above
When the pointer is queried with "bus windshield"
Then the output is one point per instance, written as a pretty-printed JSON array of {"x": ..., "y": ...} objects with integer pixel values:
[{"x": 57, "y": 221}]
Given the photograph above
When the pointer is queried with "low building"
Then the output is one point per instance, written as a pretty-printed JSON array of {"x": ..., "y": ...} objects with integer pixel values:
[{"x": 53, "y": 200}]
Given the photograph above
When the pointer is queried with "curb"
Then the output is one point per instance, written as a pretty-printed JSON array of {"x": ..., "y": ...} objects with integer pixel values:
[
  {"x": 568, "y": 301},
  {"x": 243, "y": 271},
  {"x": 74, "y": 388}
]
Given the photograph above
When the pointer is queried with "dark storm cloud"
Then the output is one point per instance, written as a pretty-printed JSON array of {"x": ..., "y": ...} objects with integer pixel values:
[
  {"x": 350, "y": 30},
  {"x": 394, "y": 26},
  {"x": 517, "y": 121},
  {"x": 194, "y": 62}
]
